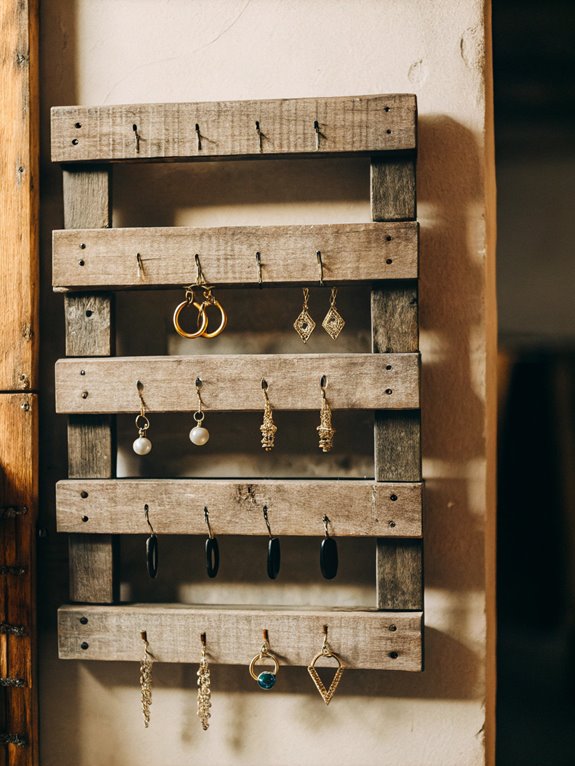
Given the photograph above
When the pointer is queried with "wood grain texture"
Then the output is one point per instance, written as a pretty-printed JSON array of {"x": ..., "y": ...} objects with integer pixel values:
[
  {"x": 107, "y": 258},
  {"x": 296, "y": 507},
  {"x": 18, "y": 487},
  {"x": 397, "y": 437},
  {"x": 393, "y": 195},
  {"x": 19, "y": 201},
  {"x": 364, "y": 639},
  {"x": 89, "y": 331},
  {"x": 227, "y": 129},
  {"x": 233, "y": 382}
]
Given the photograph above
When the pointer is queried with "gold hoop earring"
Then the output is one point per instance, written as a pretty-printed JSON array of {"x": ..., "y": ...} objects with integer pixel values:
[
  {"x": 333, "y": 322},
  {"x": 325, "y": 429},
  {"x": 266, "y": 679},
  {"x": 210, "y": 300},
  {"x": 326, "y": 651},
  {"x": 204, "y": 691},
  {"x": 146, "y": 679},
  {"x": 304, "y": 324},
  {"x": 268, "y": 428},
  {"x": 202, "y": 318}
]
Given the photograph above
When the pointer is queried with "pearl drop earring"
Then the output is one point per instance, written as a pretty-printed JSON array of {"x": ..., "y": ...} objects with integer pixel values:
[
  {"x": 142, "y": 445},
  {"x": 199, "y": 435}
]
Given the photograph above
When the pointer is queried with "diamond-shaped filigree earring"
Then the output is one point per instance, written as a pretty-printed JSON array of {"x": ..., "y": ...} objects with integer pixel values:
[
  {"x": 333, "y": 322},
  {"x": 304, "y": 324}
]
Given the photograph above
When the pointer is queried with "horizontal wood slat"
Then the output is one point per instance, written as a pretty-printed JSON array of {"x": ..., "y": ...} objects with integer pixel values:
[
  {"x": 233, "y": 382},
  {"x": 227, "y": 129},
  {"x": 108, "y": 258},
  {"x": 364, "y": 639},
  {"x": 296, "y": 507}
]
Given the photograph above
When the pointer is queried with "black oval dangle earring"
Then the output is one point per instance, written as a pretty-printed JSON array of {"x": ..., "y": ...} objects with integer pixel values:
[
  {"x": 151, "y": 547},
  {"x": 212, "y": 549},
  {"x": 328, "y": 559},
  {"x": 274, "y": 552}
]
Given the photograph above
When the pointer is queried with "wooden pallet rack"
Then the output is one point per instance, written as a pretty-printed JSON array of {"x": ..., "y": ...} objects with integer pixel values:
[{"x": 91, "y": 260}]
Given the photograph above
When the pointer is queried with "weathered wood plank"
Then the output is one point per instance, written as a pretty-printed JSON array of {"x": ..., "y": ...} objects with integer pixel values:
[
  {"x": 107, "y": 259},
  {"x": 87, "y": 203},
  {"x": 397, "y": 438},
  {"x": 356, "y": 508},
  {"x": 229, "y": 129},
  {"x": 19, "y": 200},
  {"x": 393, "y": 195},
  {"x": 233, "y": 382},
  {"x": 364, "y": 639},
  {"x": 19, "y": 489}
]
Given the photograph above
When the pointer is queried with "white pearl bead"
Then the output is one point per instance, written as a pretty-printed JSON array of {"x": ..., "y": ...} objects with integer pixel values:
[
  {"x": 142, "y": 445},
  {"x": 199, "y": 435}
]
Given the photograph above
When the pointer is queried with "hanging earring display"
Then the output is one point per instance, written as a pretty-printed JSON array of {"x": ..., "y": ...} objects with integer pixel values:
[
  {"x": 328, "y": 558},
  {"x": 333, "y": 322},
  {"x": 325, "y": 429},
  {"x": 304, "y": 324},
  {"x": 212, "y": 549},
  {"x": 204, "y": 691},
  {"x": 146, "y": 679},
  {"x": 274, "y": 551},
  {"x": 268, "y": 428},
  {"x": 151, "y": 547},
  {"x": 199, "y": 435},
  {"x": 266, "y": 679},
  {"x": 326, "y": 651},
  {"x": 202, "y": 318},
  {"x": 142, "y": 445}
]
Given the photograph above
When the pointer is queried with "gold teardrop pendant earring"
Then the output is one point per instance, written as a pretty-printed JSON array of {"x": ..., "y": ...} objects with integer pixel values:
[
  {"x": 304, "y": 324},
  {"x": 326, "y": 651}
]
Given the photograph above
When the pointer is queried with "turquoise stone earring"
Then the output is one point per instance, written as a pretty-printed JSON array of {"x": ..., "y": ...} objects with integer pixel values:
[{"x": 266, "y": 679}]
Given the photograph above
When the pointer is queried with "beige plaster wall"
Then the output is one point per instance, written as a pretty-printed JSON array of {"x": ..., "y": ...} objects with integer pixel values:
[{"x": 119, "y": 51}]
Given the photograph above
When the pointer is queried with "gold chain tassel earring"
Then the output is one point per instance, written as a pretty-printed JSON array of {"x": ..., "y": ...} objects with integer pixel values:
[
  {"x": 304, "y": 324},
  {"x": 268, "y": 428},
  {"x": 204, "y": 691},
  {"x": 333, "y": 322},
  {"x": 326, "y": 651},
  {"x": 146, "y": 679},
  {"x": 325, "y": 429}
]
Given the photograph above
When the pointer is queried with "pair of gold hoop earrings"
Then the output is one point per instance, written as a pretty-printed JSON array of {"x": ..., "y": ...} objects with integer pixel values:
[
  {"x": 204, "y": 699},
  {"x": 266, "y": 679},
  {"x": 208, "y": 301},
  {"x": 325, "y": 430}
]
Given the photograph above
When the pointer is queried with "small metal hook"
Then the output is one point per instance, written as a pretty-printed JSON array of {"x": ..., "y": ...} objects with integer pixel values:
[
  {"x": 137, "y": 137},
  {"x": 259, "y": 265},
  {"x": 326, "y": 521},
  {"x": 140, "y": 263},
  {"x": 198, "y": 137},
  {"x": 264, "y": 384},
  {"x": 267, "y": 521},
  {"x": 140, "y": 387},
  {"x": 144, "y": 636},
  {"x": 203, "y": 640},
  {"x": 260, "y": 136},
  {"x": 317, "y": 134},
  {"x": 147, "y": 515},
  {"x": 320, "y": 266},
  {"x": 266, "y": 636},
  {"x": 207, "y": 518},
  {"x": 200, "y": 277},
  {"x": 323, "y": 383}
]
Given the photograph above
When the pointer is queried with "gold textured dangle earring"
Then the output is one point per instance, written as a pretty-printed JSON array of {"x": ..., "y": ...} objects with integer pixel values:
[
  {"x": 333, "y": 322},
  {"x": 326, "y": 651},
  {"x": 325, "y": 429},
  {"x": 199, "y": 435},
  {"x": 268, "y": 428},
  {"x": 204, "y": 691},
  {"x": 142, "y": 445},
  {"x": 266, "y": 679},
  {"x": 304, "y": 324},
  {"x": 146, "y": 679}
]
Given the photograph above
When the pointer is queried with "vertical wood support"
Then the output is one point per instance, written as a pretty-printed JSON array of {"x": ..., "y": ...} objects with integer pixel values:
[
  {"x": 90, "y": 332},
  {"x": 19, "y": 188},
  {"x": 397, "y": 438}
]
